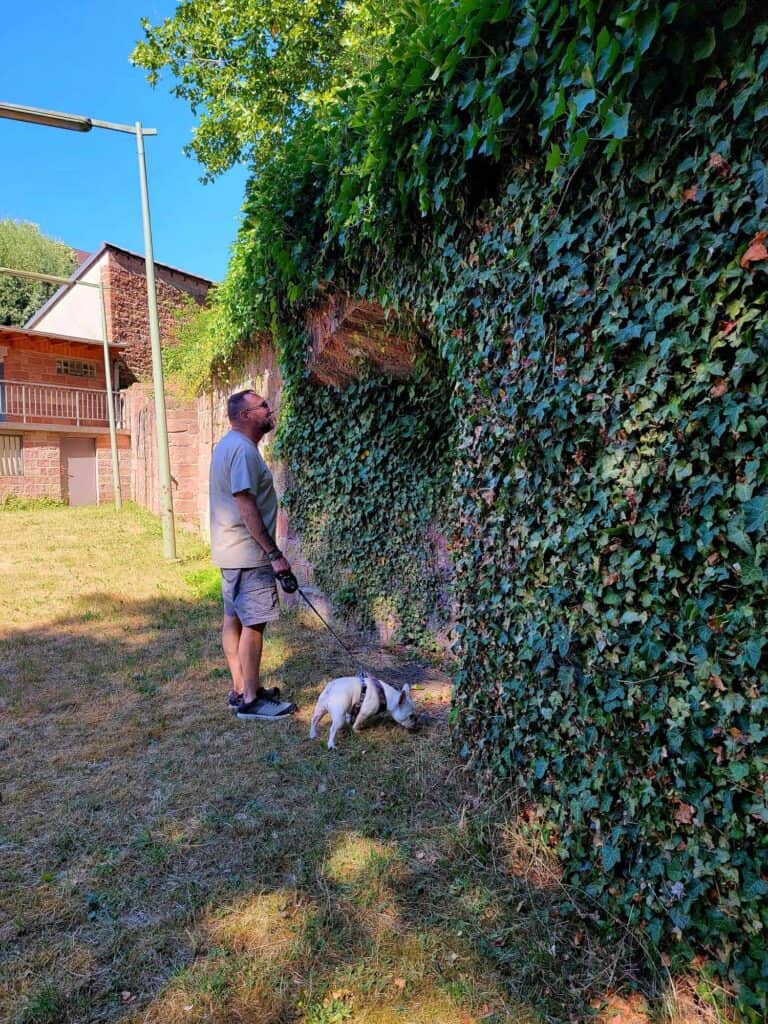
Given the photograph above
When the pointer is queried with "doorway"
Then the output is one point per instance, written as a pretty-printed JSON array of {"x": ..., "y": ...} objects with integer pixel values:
[{"x": 79, "y": 458}]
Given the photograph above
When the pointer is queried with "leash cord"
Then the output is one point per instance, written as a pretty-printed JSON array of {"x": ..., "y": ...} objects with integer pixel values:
[
  {"x": 331, "y": 631},
  {"x": 290, "y": 585}
]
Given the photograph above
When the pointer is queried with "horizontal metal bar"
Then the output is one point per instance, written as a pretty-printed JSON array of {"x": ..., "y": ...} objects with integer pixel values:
[
  {"x": 58, "y": 119},
  {"x": 32, "y": 275},
  {"x": 130, "y": 128}
]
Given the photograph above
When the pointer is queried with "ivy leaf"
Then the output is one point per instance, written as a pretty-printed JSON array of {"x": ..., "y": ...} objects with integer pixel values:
[
  {"x": 611, "y": 855},
  {"x": 496, "y": 107},
  {"x": 756, "y": 251},
  {"x": 752, "y": 652},
  {"x": 756, "y": 514},
  {"x": 685, "y": 814},
  {"x": 646, "y": 29},
  {"x": 734, "y": 14},
  {"x": 582, "y": 100},
  {"x": 705, "y": 47},
  {"x": 616, "y": 124},
  {"x": 737, "y": 536},
  {"x": 555, "y": 158}
]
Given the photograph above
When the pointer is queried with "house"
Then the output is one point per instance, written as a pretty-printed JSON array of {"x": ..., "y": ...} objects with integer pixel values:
[
  {"x": 76, "y": 311},
  {"x": 54, "y": 423},
  {"x": 54, "y": 428}
]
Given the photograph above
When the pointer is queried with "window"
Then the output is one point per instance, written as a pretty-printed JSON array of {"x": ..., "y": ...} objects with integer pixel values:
[
  {"x": 11, "y": 461},
  {"x": 75, "y": 368}
]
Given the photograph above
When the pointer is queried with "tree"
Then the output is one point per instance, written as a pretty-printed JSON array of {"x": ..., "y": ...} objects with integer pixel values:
[
  {"x": 250, "y": 69},
  {"x": 23, "y": 246}
]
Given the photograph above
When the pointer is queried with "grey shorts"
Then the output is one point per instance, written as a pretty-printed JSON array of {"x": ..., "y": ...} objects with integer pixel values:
[{"x": 250, "y": 595}]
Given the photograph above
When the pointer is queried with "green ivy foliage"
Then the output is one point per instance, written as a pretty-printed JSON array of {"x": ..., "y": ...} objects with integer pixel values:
[
  {"x": 371, "y": 467},
  {"x": 612, "y": 503},
  {"x": 565, "y": 197}
]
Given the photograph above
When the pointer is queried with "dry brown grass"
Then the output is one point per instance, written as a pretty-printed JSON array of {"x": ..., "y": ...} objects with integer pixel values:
[{"x": 163, "y": 862}]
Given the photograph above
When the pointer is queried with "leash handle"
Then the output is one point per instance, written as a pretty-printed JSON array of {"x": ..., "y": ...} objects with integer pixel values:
[{"x": 288, "y": 581}]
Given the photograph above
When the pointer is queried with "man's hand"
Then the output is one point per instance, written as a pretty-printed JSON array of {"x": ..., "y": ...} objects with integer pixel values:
[{"x": 281, "y": 564}]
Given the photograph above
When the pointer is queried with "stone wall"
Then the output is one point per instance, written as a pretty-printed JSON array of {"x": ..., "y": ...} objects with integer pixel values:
[
  {"x": 347, "y": 334},
  {"x": 183, "y": 441},
  {"x": 42, "y": 468},
  {"x": 105, "y": 482},
  {"x": 127, "y": 311}
]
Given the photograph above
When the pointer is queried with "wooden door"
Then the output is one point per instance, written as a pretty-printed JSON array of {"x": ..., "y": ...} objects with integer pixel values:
[{"x": 79, "y": 457}]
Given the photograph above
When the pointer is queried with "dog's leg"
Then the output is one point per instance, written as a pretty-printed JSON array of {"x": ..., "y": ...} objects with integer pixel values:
[
  {"x": 336, "y": 724},
  {"x": 360, "y": 721},
  {"x": 320, "y": 710}
]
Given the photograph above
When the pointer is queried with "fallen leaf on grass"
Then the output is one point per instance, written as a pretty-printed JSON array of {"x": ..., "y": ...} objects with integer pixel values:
[
  {"x": 617, "y": 1009},
  {"x": 399, "y": 983}
]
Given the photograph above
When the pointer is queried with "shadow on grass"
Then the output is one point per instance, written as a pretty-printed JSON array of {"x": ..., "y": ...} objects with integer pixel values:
[{"x": 163, "y": 861}]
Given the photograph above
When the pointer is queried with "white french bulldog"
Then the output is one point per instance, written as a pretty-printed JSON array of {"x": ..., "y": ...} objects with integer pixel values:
[{"x": 361, "y": 697}]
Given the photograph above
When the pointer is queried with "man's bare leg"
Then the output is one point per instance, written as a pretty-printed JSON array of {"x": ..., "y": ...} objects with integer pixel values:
[
  {"x": 250, "y": 647},
  {"x": 231, "y": 632}
]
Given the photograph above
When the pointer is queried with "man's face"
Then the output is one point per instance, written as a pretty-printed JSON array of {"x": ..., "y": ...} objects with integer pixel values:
[{"x": 257, "y": 415}]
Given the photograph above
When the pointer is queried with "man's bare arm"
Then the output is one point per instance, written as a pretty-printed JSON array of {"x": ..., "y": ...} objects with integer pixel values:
[{"x": 254, "y": 524}]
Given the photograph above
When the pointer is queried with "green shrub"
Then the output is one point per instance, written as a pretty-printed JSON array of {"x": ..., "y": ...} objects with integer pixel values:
[{"x": 15, "y": 503}]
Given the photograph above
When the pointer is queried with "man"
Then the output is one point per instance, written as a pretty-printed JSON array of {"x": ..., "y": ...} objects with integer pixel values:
[{"x": 243, "y": 519}]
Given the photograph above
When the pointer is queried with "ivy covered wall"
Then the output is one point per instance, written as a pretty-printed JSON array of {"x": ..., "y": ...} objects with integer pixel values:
[
  {"x": 569, "y": 202},
  {"x": 370, "y": 468}
]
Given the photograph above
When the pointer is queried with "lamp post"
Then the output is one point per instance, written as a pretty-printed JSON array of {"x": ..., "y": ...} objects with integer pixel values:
[{"x": 78, "y": 123}]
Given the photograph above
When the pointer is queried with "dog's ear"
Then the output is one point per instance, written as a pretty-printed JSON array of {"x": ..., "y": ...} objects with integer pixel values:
[{"x": 404, "y": 694}]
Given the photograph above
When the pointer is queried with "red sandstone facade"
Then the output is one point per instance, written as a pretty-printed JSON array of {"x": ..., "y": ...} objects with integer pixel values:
[
  {"x": 75, "y": 309},
  {"x": 125, "y": 295},
  {"x": 53, "y": 413},
  {"x": 54, "y": 433}
]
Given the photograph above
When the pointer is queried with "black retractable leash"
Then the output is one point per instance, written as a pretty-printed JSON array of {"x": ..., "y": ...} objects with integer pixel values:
[{"x": 290, "y": 585}]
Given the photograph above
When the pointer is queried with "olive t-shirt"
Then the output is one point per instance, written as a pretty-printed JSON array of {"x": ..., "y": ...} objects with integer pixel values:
[{"x": 237, "y": 466}]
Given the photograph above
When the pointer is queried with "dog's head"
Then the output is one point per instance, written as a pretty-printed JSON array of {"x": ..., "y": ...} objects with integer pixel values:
[{"x": 401, "y": 707}]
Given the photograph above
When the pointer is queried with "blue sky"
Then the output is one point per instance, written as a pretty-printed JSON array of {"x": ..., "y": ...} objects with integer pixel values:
[{"x": 84, "y": 188}]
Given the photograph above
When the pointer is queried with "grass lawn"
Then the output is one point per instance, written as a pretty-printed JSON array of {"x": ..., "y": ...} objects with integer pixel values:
[{"x": 162, "y": 861}]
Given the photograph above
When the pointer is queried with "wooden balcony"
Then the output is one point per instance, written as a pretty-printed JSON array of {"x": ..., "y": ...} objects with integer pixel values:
[{"x": 49, "y": 404}]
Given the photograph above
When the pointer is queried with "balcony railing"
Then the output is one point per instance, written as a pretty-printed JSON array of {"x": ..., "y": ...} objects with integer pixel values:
[{"x": 21, "y": 402}]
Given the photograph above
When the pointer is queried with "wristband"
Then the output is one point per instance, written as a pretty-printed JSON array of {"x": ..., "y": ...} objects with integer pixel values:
[{"x": 274, "y": 554}]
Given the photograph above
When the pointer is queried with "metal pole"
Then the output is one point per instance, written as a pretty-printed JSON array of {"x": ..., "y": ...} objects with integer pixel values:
[
  {"x": 163, "y": 454},
  {"x": 110, "y": 405}
]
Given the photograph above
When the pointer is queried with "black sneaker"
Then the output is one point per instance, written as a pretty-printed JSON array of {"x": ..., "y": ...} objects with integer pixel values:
[
  {"x": 235, "y": 700},
  {"x": 266, "y": 709}
]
